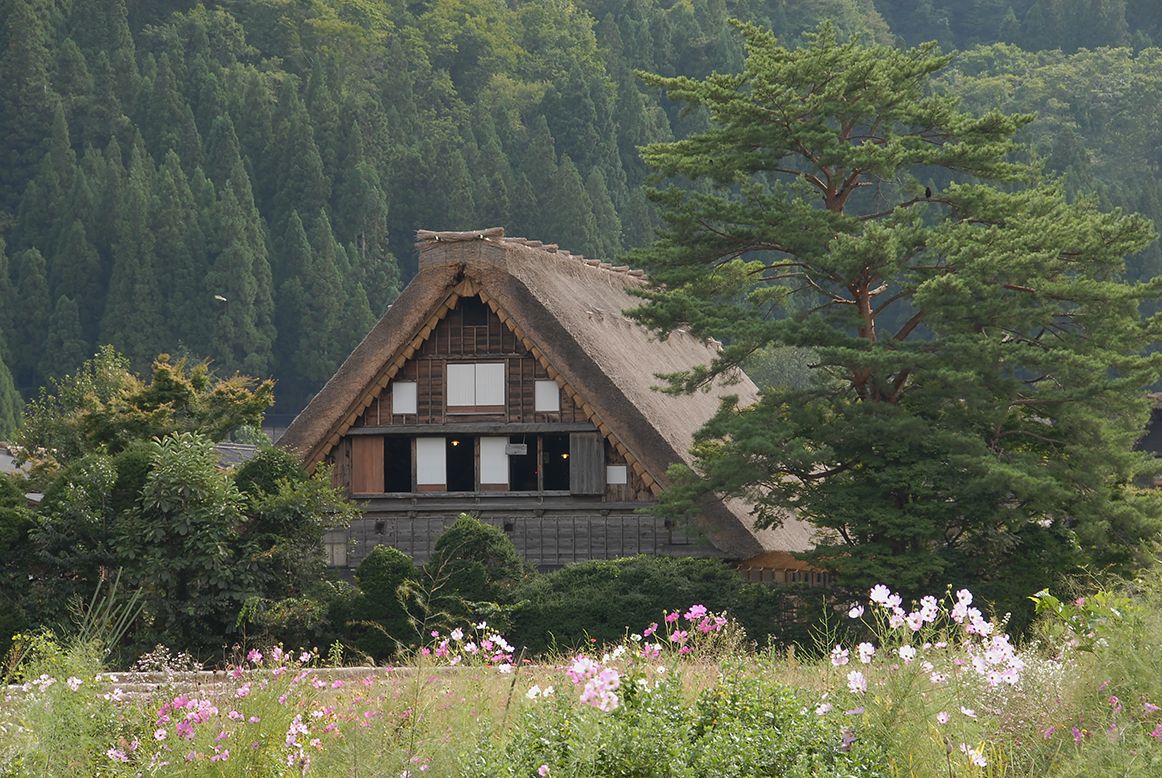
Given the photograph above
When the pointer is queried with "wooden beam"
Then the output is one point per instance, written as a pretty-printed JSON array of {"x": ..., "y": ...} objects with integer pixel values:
[{"x": 473, "y": 428}]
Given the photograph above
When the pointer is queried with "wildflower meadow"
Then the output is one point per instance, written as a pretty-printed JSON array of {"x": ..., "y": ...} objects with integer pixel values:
[{"x": 932, "y": 687}]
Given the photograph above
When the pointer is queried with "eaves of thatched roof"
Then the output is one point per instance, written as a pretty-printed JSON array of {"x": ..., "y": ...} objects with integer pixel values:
[{"x": 569, "y": 312}]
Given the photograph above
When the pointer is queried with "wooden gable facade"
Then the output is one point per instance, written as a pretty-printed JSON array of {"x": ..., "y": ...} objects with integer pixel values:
[
  {"x": 474, "y": 422},
  {"x": 505, "y": 383}
]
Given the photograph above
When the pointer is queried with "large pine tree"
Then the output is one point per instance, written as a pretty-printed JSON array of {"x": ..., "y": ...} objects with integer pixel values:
[{"x": 980, "y": 379}]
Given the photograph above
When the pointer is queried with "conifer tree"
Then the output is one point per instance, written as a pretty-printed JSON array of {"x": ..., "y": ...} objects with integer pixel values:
[
  {"x": 7, "y": 301},
  {"x": 25, "y": 113},
  {"x": 30, "y": 310},
  {"x": 167, "y": 120},
  {"x": 291, "y": 313},
  {"x": 65, "y": 345},
  {"x": 980, "y": 373},
  {"x": 42, "y": 208},
  {"x": 180, "y": 241},
  {"x": 73, "y": 82},
  {"x": 303, "y": 185},
  {"x": 75, "y": 272},
  {"x": 10, "y": 403},
  {"x": 133, "y": 319},
  {"x": 242, "y": 327},
  {"x": 574, "y": 226},
  {"x": 608, "y": 225}
]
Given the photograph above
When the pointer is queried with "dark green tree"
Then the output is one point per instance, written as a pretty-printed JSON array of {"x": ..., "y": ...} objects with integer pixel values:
[
  {"x": 75, "y": 272},
  {"x": 42, "y": 207},
  {"x": 31, "y": 307},
  {"x": 981, "y": 372},
  {"x": 11, "y": 405},
  {"x": 179, "y": 239},
  {"x": 380, "y": 575},
  {"x": 65, "y": 345},
  {"x": 25, "y": 110},
  {"x": 133, "y": 316},
  {"x": 179, "y": 544},
  {"x": 239, "y": 281},
  {"x": 473, "y": 562}
]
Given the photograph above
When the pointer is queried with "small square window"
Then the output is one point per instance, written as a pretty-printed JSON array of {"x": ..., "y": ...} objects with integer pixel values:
[
  {"x": 403, "y": 397},
  {"x": 548, "y": 397},
  {"x": 616, "y": 474}
]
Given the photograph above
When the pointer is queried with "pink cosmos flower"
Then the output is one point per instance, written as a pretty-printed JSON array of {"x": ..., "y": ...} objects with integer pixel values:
[
  {"x": 679, "y": 636},
  {"x": 651, "y": 629},
  {"x": 1157, "y": 733},
  {"x": 866, "y": 652},
  {"x": 907, "y": 653},
  {"x": 968, "y": 712},
  {"x": 1150, "y": 707},
  {"x": 543, "y": 770},
  {"x": 839, "y": 656},
  {"x": 254, "y": 656},
  {"x": 823, "y": 709},
  {"x": 942, "y": 717},
  {"x": 117, "y": 755},
  {"x": 855, "y": 612},
  {"x": 671, "y": 617},
  {"x": 1048, "y": 733},
  {"x": 856, "y": 682},
  {"x": 696, "y": 612},
  {"x": 879, "y": 594},
  {"x": 974, "y": 756}
]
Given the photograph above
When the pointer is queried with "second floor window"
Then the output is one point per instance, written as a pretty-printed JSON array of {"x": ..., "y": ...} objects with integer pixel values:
[{"x": 475, "y": 387}]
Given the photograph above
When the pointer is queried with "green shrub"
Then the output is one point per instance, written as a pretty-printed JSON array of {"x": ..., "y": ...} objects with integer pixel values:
[
  {"x": 261, "y": 474},
  {"x": 602, "y": 599},
  {"x": 379, "y": 577},
  {"x": 474, "y": 562}
]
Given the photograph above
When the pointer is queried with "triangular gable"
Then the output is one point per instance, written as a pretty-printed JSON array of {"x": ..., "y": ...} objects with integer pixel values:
[{"x": 394, "y": 364}]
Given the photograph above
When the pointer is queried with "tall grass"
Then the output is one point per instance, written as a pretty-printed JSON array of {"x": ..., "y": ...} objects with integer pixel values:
[{"x": 940, "y": 694}]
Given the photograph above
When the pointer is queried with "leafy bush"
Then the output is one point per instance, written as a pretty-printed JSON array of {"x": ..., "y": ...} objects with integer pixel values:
[
  {"x": 379, "y": 577},
  {"x": 270, "y": 465},
  {"x": 601, "y": 599},
  {"x": 474, "y": 563}
]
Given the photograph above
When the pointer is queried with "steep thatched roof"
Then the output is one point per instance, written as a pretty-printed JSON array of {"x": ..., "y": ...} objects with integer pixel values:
[{"x": 568, "y": 310}]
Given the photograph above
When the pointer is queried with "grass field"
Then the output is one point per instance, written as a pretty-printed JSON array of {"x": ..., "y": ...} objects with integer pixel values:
[{"x": 932, "y": 688}]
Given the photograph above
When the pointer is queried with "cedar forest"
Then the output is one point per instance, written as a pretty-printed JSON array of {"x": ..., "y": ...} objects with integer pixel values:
[{"x": 241, "y": 181}]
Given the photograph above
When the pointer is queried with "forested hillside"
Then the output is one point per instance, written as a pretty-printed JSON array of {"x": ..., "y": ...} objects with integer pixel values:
[{"x": 241, "y": 180}]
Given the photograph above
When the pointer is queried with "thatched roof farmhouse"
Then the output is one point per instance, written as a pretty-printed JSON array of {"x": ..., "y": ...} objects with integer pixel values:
[{"x": 505, "y": 381}]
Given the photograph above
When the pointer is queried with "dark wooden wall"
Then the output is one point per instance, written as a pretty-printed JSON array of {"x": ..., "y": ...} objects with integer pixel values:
[
  {"x": 548, "y": 541},
  {"x": 452, "y": 340}
]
